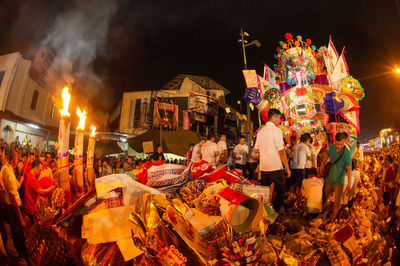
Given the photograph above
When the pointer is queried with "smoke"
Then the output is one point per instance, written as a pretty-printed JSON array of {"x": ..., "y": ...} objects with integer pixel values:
[{"x": 77, "y": 37}]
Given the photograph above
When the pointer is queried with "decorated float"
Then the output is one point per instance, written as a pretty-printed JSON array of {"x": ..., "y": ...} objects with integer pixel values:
[{"x": 312, "y": 88}]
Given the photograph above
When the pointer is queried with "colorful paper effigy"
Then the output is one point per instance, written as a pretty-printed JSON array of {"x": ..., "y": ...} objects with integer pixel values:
[{"x": 307, "y": 84}]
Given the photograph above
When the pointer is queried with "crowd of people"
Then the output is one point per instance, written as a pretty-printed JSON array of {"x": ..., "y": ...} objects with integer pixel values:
[
  {"x": 27, "y": 176},
  {"x": 286, "y": 166}
]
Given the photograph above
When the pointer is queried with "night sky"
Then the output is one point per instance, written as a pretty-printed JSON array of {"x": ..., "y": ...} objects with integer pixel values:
[{"x": 140, "y": 45}]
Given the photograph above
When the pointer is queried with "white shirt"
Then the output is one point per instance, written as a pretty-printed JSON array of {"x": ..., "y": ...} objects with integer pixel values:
[
  {"x": 269, "y": 142},
  {"x": 313, "y": 161},
  {"x": 208, "y": 151},
  {"x": 254, "y": 155},
  {"x": 241, "y": 151},
  {"x": 195, "y": 152},
  {"x": 301, "y": 152},
  {"x": 221, "y": 146},
  {"x": 10, "y": 185}
]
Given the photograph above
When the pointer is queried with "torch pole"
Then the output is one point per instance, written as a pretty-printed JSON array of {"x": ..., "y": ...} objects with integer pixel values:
[
  {"x": 79, "y": 161},
  {"x": 89, "y": 163},
  {"x": 63, "y": 156}
]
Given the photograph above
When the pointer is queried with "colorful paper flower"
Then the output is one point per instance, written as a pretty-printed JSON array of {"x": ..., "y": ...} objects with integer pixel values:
[
  {"x": 288, "y": 36},
  {"x": 301, "y": 91},
  {"x": 308, "y": 41}
]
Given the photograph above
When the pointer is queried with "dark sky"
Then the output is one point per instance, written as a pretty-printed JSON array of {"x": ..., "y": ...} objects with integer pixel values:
[{"x": 150, "y": 42}]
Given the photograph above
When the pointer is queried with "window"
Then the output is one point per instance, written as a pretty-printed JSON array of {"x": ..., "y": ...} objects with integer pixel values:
[
  {"x": 131, "y": 114},
  {"x": 1, "y": 76},
  {"x": 53, "y": 111},
  {"x": 34, "y": 100},
  {"x": 317, "y": 107},
  {"x": 137, "y": 114},
  {"x": 301, "y": 109}
]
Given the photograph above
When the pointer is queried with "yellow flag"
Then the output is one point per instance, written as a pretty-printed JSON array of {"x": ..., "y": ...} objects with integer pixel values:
[{"x": 251, "y": 106}]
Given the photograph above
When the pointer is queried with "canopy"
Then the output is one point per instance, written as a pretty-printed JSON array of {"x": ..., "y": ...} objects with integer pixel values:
[
  {"x": 176, "y": 142},
  {"x": 102, "y": 147}
]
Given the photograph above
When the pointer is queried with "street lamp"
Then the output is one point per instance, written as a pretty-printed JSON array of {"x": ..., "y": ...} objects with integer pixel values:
[
  {"x": 245, "y": 44},
  {"x": 396, "y": 70}
]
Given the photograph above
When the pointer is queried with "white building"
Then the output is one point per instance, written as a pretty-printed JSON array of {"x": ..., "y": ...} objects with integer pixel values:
[
  {"x": 27, "y": 109},
  {"x": 197, "y": 99}
]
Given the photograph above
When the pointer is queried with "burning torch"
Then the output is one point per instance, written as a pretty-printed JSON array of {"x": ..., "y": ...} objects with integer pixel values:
[
  {"x": 79, "y": 151},
  {"x": 63, "y": 149},
  {"x": 90, "y": 158}
]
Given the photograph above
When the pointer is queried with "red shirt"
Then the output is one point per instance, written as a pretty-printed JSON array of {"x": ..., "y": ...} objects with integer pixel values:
[
  {"x": 389, "y": 178},
  {"x": 26, "y": 168},
  {"x": 31, "y": 194},
  {"x": 46, "y": 182}
]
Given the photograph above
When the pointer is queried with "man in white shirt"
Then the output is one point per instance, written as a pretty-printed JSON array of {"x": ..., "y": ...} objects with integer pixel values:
[
  {"x": 11, "y": 202},
  {"x": 298, "y": 165},
  {"x": 222, "y": 149},
  {"x": 209, "y": 150},
  {"x": 269, "y": 145},
  {"x": 240, "y": 153},
  {"x": 196, "y": 154}
]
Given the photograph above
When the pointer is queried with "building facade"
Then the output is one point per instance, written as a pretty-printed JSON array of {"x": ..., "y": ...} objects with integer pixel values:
[
  {"x": 187, "y": 102},
  {"x": 28, "y": 110}
]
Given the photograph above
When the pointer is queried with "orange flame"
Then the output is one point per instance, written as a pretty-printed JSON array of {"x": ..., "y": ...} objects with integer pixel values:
[
  {"x": 66, "y": 99},
  {"x": 82, "y": 118},
  {"x": 93, "y": 128}
]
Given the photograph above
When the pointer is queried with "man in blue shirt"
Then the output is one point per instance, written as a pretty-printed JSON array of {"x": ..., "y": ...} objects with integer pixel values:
[{"x": 335, "y": 179}]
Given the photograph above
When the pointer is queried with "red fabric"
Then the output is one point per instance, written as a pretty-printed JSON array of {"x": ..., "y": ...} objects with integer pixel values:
[
  {"x": 158, "y": 163},
  {"x": 200, "y": 167},
  {"x": 142, "y": 177},
  {"x": 215, "y": 175},
  {"x": 343, "y": 234},
  {"x": 389, "y": 178},
  {"x": 232, "y": 177},
  {"x": 31, "y": 193},
  {"x": 147, "y": 165},
  {"x": 46, "y": 182},
  {"x": 233, "y": 196}
]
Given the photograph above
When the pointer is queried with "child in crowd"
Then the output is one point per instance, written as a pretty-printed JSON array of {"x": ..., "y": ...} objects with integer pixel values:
[{"x": 312, "y": 190}]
